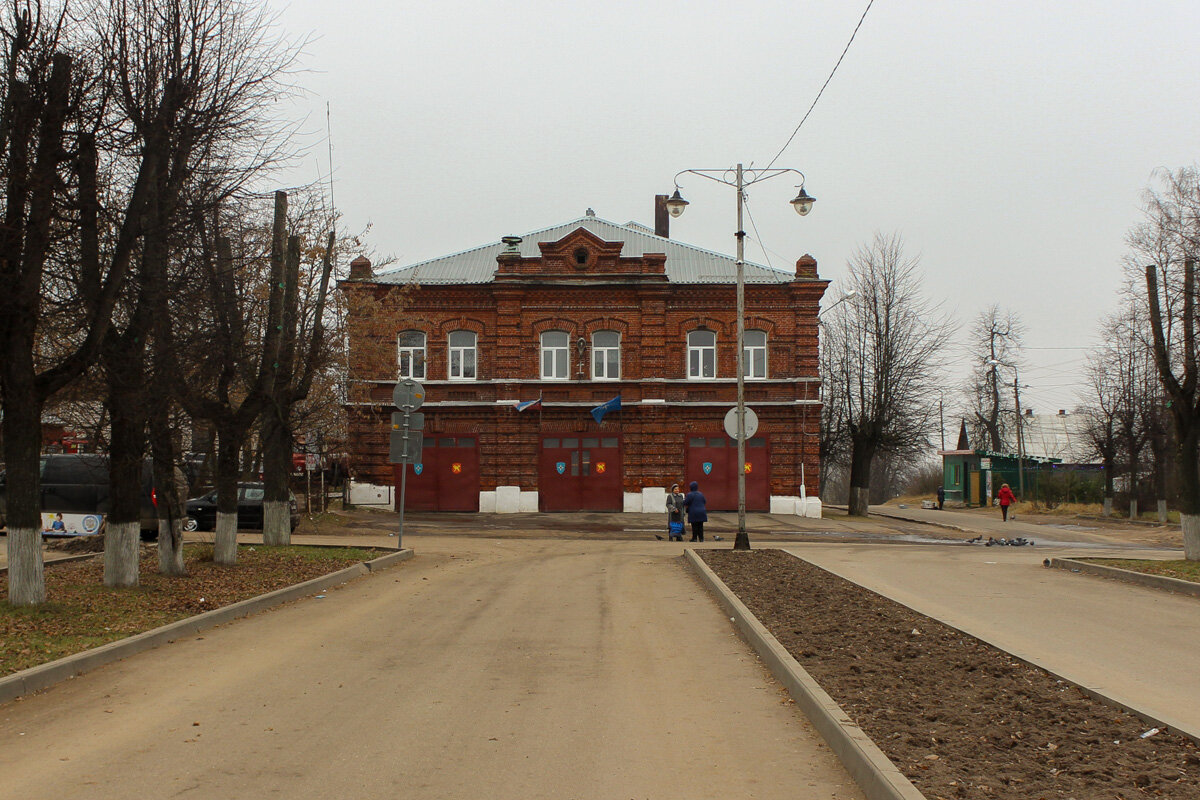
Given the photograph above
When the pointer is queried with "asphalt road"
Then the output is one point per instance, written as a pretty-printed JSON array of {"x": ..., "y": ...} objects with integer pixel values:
[{"x": 483, "y": 668}]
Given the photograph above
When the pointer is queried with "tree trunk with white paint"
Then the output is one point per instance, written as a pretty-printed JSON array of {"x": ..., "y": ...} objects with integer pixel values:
[
  {"x": 1162, "y": 511},
  {"x": 1191, "y": 536},
  {"x": 121, "y": 540},
  {"x": 26, "y": 582},
  {"x": 277, "y": 523},
  {"x": 225, "y": 542},
  {"x": 1133, "y": 509},
  {"x": 1108, "y": 505}
]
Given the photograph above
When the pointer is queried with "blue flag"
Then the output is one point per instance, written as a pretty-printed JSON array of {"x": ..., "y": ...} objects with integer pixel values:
[
  {"x": 528, "y": 404},
  {"x": 612, "y": 405}
]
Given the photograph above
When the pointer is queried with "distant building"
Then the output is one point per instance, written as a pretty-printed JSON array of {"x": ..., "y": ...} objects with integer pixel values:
[
  {"x": 583, "y": 317},
  {"x": 1060, "y": 441}
]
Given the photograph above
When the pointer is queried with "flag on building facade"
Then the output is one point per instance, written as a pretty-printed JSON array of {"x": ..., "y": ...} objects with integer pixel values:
[
  {"x": 528, "y": 404},
  {"x": 612, "y": 405}
]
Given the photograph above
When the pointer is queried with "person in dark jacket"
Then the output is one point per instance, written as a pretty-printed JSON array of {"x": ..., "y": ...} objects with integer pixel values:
[{"x": 697, "y": 511}]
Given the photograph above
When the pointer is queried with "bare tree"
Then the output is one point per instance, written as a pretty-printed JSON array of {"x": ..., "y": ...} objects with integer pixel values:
[
  {"x": 300, "y": 358},
  {"x": 52, "y": 109},
  {"x": 1101, "y": 411},
  {"x": 994, "y": 339},
  {"x": 883, "y": 348},
  {"x": 192, "y": 79},
  {"x": 1164, "y": 249}
]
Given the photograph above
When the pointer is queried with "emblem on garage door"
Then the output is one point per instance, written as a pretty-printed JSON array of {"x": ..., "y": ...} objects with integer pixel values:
[
  {"x": 707, "y": 467},
  {"x": 561, "y": 467},
  {"x": 600, "y": 467},
  {"x": 418, "y": 468},
  {"x": 747, "y": 468},
  {"x": 456, "y": 468}
]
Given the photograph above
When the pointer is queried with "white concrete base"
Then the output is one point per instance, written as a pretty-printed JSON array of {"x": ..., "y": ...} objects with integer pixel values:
[
  {"x": 785, "y": 504},
  {"x": 631, "y": 502},
  {"x": 508, "y": 499},
  {"x": 487, "y": 502},
  {"x": 654, "y": 500},
  {"x": 368, "y": 494},
  {"x": 529, "y": 502},
  {"x": 810, "y": 508}
]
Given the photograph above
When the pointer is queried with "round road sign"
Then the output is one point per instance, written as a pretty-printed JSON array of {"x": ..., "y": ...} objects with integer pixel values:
[
  {"x": 408, "y": 395},
  {"x": 750, "y": 423}
]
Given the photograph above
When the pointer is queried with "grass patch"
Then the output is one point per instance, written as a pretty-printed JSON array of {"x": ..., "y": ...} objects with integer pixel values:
[
  {"x": 81, "y": 613},
  {"x": 1183, "y": 570}
]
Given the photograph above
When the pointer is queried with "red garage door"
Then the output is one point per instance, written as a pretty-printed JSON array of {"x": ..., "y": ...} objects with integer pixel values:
[
  {"x": 580, "y": 474},
  {"x": 712, "y": 462},
  {"x": 447, "y": 479}
]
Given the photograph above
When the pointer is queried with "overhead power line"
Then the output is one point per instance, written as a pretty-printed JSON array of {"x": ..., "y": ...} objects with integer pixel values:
[{"x": 827, "y": 80}]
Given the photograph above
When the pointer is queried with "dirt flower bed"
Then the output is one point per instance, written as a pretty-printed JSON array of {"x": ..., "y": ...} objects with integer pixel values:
[
  {"x": 957, "y": 716},
  {"x": 80, "y": 613},
  {"x": 1182, "y": 570}
]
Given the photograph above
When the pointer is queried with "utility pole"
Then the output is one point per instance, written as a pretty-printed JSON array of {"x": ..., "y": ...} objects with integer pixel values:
[
  {"x": 942, "y": 422},
  {"x": 1020, "y": 438}
]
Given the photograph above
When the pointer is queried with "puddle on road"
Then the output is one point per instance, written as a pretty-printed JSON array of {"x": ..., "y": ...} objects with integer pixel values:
[{"x": 909, "y": 538}]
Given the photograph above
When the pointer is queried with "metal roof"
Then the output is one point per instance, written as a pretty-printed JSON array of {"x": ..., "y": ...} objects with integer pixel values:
[
  {"x": 1059, "y": 435},
  {"x": 685, "y": 263}
]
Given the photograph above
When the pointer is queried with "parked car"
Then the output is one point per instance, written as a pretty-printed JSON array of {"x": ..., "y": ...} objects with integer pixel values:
[
  {"x": 77, "y": 483},
  {"x": 202, "y": 510}
]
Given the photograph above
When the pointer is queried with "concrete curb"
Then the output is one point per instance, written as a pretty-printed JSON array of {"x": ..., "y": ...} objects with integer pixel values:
[
  {"x": 46, "y": 675},
  {"x": 874, "y": 773},
  {"x": 49, "y": 562},
  {"x": 1129, "y": 576}
]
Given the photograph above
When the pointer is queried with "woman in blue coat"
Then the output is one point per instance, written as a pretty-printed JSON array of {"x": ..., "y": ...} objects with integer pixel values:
[{"x": 697, "y": 511}]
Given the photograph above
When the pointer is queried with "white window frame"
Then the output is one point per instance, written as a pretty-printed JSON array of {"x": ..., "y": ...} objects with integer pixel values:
[
  {"x": 414, "y": 365},
  {"x": 696, "y": 356},
  {"x": 555, "y": 356},
  {"x": 606, "y": 358},
  {"x": 462, "y": 358},
  {"x": 749, "y": 351}
]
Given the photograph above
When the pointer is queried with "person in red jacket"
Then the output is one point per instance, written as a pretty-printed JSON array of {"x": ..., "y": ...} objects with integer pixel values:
[{"x": 1005, "y": 496}]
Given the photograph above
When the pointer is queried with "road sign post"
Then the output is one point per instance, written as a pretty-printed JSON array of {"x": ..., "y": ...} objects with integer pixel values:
[{"x": 406, "y": 437}]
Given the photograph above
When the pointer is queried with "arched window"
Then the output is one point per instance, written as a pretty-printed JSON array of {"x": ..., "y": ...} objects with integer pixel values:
[
  {"x": 606, "y": 355},
  {"x": 702, "y": 354},
  {"x": 754, "y": 346},
  {"x": 462, "y": 356},
  {"x": 410, "y": 355},
  {"x": 555, "y": 356}
]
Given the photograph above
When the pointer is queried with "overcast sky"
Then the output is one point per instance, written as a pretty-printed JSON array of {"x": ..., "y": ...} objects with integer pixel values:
[{"x": 1007, "y": 142}]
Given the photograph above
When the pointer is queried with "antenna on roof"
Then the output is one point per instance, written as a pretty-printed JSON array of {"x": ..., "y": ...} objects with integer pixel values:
[{"x": 589, "y": 213}]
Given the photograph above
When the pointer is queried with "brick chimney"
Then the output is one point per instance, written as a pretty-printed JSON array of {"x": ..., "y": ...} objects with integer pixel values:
[
  {"x": 662, "y": 219},
  {"x": 806, "y": 266},
  {"x": 360, "y": 269}
]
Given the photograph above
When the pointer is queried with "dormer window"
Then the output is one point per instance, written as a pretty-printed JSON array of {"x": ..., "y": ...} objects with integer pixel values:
[{"x": 581, "y": 256}]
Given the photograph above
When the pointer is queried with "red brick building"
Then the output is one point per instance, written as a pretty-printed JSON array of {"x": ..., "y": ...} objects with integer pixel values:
[{"x": 575, "y": 316}]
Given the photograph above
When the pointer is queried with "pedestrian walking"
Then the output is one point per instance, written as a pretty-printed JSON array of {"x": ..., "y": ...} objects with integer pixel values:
[
  {"x": 941, "y": 495},
  {"x": 674, "y": 514},
  {"x": 697, "y": 511},
  {"x": 1005, "y": 496}
]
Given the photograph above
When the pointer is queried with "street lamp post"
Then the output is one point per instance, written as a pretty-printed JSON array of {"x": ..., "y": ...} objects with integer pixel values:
[{"x": 740, "y": 178}]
